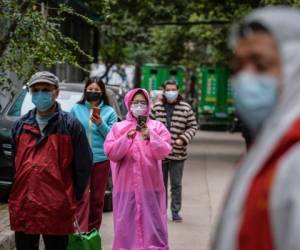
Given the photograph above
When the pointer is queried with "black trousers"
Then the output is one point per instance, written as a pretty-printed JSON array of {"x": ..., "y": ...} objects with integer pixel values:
[
  {"x": 31, "y": 241},
  {"x": 175, "y": 170}
]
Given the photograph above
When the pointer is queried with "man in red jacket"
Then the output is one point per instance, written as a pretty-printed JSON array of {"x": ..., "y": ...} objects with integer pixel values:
[{"x": 52, "y": 162}]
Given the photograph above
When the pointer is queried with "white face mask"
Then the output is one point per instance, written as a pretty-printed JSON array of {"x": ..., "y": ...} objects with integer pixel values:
[
  {"x": 138, "y": 109},
  {"x": 171, "y": 95},
  {"x": 256, "y": 95}
]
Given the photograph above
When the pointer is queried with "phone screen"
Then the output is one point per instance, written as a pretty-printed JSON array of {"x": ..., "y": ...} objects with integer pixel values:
[
  {"x": 141, "y": 121},
  {"x": 96, "y": 111}
]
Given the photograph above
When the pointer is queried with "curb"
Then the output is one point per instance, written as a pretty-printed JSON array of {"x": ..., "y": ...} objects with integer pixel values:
[{"x": 7, "y": 240}]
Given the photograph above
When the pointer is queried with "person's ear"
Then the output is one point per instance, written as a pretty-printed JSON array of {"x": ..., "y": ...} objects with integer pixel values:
[{"x": 56, "y": 93}]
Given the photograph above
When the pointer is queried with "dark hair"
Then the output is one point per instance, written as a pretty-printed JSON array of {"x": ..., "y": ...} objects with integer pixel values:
[
  {"x": 247, "y": 28},
  {"x": 101, "y": 85},
  {"x": 170, "y": 82}
]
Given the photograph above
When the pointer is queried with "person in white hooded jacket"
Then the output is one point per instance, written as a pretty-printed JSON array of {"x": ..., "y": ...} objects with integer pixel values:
[{"x": 262, "y": 209}]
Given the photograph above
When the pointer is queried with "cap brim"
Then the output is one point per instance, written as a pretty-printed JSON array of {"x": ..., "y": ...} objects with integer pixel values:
[{"x": 42, "y": 81}]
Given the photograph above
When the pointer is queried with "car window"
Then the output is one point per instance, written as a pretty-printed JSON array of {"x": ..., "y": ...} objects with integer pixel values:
[
  {"x": 114, "y": 103},
  {"x": 4, "y": 100},
  {"x": 67, "y": 99},
  {"x": 23, "y": 104},
  {"x": 15, "y": 109}
]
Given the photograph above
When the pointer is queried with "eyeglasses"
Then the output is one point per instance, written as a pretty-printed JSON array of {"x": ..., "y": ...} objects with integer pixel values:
[{"x": 139, "y": 102}]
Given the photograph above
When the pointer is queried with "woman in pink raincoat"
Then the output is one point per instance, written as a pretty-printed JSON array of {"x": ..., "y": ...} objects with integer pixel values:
[{"x": 135, "y": 150}]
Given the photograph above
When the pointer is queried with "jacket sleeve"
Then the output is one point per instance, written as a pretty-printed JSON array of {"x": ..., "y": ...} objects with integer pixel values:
[
  {"x": 160, "y": 142},
  {"x": 191, "y": 127},
  {"x": 292, "y": 216},
  {"x": 83, "y": 158},
  {"x": 14, "y": 148},
  {"x": 286, "y": 201},
  {"x": 72, "y": 112},
  {"x": 152, "y": 113},
  {"x": 116, "y": 146},
  {"x": 105, "y": 126}
]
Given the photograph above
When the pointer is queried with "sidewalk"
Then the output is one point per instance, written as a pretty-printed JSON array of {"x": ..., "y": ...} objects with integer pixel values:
[
  {"x": 6, "y": 235},
  {"x": 207, "y": 174}
]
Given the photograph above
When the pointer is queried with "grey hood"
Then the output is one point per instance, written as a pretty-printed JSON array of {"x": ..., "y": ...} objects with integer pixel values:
[{"x": 284, "y": 24}]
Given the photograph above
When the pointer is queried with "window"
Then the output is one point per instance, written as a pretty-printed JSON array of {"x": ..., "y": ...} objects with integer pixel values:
[{"x": 15, "y": 109}]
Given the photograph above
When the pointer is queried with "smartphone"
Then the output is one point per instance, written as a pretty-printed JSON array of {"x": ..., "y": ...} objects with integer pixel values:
[
  {"x": 141, "y": 122},
  {"x": 96, "y": 111}
]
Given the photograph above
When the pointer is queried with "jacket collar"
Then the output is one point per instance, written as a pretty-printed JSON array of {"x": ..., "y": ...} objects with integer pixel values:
[
  {"x": 31, "y": 118},
  {"x": 87, "y": 104}
]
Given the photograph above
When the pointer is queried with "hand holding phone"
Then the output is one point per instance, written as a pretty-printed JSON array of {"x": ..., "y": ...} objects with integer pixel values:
[
  {"x": 141, "y": 122},
  {"x": 142, "y": 126},
  {"x": 145, "y": 133},
  {"x": 96, "y": 111},
  {"x": 96, "y": 116},
  {"x": 131, "y": 134}
]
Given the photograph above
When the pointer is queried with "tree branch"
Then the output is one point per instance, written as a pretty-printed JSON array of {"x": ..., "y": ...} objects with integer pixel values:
[
  {"x": 13, "y": 26},
  {"x": 108, "y": 66}
]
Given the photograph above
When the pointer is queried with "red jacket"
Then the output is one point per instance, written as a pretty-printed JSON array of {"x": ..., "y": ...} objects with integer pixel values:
[
  {"x": 256, "y": 230},
  {"x": 51, "y": 172}
]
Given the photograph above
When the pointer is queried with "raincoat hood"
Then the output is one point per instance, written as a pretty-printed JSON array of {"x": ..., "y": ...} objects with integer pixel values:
[
  {"x": 139, "y": 196},
  {"x": 128, "y": 99},
  {"x": 283, "y": 24}
]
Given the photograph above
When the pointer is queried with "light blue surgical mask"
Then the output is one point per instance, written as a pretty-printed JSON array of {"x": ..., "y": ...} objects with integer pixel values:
[
  {"x": 255, "y": 95},
  {"x": 171, "y": 95},
  {"x": 43, "y": 100}
]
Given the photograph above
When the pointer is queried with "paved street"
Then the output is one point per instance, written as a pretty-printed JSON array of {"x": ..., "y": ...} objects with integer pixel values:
[
  {"x": 206, "y": 177},
  {"x": 6, "y": 236}
]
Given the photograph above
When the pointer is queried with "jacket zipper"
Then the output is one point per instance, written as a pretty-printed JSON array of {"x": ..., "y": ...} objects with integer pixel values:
[{"x": 90, "y": 129}]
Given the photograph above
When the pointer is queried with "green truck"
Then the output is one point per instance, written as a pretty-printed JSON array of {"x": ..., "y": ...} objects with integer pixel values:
[
  {"x": 214, "y": 100},
  {"x": 154, "y": 76}
]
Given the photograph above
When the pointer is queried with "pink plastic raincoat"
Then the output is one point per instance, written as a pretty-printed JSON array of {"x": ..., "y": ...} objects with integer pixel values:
[{"x": 140, "y": 214}]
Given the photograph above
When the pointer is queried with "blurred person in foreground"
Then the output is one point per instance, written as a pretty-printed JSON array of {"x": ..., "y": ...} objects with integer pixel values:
[
  {"x": 262, "y": 210},
  {"x": 136, "y": 147},
  {"x": 52, "y": 162}
]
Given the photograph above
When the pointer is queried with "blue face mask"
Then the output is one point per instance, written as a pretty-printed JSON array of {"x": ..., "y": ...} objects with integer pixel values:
[
  {"x": 171, "y": 96},
  {"x": 42, "y": 100},
  {"x": 255, "y": 96}
]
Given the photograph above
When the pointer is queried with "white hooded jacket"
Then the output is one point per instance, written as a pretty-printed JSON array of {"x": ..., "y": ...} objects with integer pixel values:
[{"x": 284, "y": 25}]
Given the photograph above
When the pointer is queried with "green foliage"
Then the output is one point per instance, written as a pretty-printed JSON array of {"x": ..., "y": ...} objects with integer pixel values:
[
  {"x": 191, "y": 45},
  {"x": 165, "y": 40},
  {"x": 133, "y": 31},
  {"x": 204, "y": 43},
  {"x": 33, "y": 39},
  {"x": 138, "y": 24},
  {"x": 123, "y": 32}
]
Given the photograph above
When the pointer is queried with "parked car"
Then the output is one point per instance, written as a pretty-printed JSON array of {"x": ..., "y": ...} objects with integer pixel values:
[
  {"x": 70, "y": 93},
  {"x": 120, "y": 92},
  {"x": 4, "y": 99}
]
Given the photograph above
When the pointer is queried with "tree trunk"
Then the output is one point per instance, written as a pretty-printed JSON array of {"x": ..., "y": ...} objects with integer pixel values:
[
  {"x": 104, "y": 77},
  {"x": 137, "y": 76}
]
